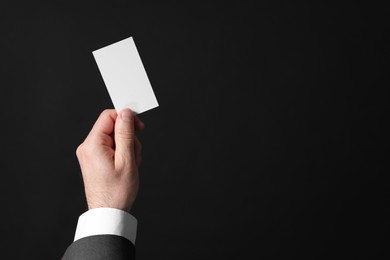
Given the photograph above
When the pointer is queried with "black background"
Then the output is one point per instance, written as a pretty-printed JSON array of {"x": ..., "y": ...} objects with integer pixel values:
[{"x": 269, "y": 140}]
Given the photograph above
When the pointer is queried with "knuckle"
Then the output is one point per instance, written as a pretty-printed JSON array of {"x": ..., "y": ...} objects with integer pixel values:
[
  {"x": 79, "y": 150},
  {"x": 125, "y": 134},
  {"x": 88, "y": 149},
  {"x": 84, "y": 150},
  {"x": 106, "y": 112}
]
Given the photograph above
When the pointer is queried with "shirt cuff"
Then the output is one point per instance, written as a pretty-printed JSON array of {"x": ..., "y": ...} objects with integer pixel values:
[{"x": 106, "y": 221}]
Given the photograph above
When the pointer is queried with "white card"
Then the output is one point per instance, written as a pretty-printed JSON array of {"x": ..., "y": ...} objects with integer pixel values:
[{"x": 125, "y": 77}]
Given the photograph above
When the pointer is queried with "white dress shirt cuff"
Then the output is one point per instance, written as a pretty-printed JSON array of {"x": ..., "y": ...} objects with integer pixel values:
[{"x": 106, "y": 221}]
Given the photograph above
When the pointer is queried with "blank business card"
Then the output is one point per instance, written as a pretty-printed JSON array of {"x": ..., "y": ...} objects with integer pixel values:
[{"x": 125, "y": 77}]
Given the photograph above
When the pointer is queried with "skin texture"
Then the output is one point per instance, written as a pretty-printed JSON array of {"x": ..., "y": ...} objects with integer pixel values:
[{"x": 109, "y": 160}]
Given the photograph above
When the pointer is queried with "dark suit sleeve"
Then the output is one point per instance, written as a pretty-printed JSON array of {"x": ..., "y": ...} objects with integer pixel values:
[{"x": 107, "y": 247}]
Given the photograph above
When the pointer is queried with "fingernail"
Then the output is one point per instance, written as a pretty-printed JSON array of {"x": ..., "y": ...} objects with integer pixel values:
[{"x": 126, "y": 115}]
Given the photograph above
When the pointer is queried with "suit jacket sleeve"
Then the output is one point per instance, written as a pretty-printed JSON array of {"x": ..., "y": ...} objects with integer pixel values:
[{"x": 100, "y": 247}]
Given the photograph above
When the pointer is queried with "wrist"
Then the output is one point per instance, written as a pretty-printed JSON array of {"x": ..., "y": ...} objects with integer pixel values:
[{"x": 107, "y": 202}]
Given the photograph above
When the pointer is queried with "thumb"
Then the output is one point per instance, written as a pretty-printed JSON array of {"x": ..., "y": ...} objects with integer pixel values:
[{"x": 124, "y": 136}]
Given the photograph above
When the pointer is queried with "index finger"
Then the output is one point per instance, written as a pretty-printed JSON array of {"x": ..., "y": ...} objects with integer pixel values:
[{"x": 105, "y": 123}]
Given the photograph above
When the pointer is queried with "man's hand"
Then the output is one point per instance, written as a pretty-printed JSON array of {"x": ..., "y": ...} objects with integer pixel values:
[{"x": 109, "y": 159}]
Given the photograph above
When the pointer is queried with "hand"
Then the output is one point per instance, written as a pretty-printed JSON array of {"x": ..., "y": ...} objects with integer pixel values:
[{"x": 109, "y": 159}]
